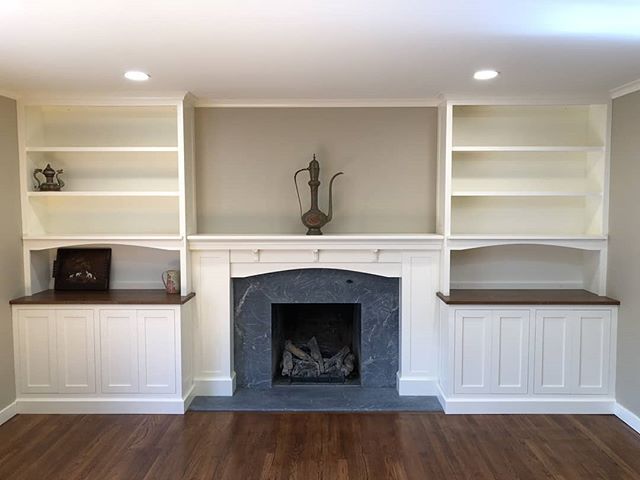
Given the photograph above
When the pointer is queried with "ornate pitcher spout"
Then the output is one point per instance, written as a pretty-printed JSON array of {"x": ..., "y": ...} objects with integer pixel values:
[{"x": 314, "y": 219}]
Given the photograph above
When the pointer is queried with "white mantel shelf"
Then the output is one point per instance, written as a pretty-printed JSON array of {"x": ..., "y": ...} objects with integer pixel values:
[{"x": 389, "y": 241}]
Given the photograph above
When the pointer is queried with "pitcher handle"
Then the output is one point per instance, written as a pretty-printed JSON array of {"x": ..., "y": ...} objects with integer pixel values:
[
  {"x": 35, "y": 176},
  {"x": 163, "y": 280}
]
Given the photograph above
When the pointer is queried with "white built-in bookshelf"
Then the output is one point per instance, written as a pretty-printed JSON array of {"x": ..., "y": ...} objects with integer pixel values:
[
  {"x": 128, "y": 173},
  {"x": 528, "y": 175}
]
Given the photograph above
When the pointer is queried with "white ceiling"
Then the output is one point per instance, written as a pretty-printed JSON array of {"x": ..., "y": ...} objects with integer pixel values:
[{"x": 322, "y": 49}]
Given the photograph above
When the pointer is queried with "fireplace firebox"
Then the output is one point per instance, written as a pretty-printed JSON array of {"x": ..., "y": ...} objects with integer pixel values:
[{"x": 315, "y": 342}]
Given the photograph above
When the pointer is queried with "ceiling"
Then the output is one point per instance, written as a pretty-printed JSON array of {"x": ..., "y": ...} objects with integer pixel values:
[{"x": 322, "y": 49}]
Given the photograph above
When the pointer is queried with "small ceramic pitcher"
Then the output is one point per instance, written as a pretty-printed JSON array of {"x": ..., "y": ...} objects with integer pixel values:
[{"x": 171, "y": 280}]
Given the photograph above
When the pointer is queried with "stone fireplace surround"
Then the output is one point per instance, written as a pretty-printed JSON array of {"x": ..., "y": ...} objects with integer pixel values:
[
  {"x": 377, "y": 296},
  {"x": 413, "y": 261}
]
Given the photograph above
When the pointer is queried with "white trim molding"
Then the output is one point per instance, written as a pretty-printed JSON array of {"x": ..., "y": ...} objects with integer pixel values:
[
  {"x": 417, "y": 385},
  {"x": 316, "y": 103},
  {"x": 216, "y": 386},
  {"x": 627, "y": 416},
  {"x": 506, "y": 406},
  {"x": 104, "y": 405},
  {"x": 415, "y": 259},
  {"x": 8, "y": 412},
  {"x": 625, "y": 89}
]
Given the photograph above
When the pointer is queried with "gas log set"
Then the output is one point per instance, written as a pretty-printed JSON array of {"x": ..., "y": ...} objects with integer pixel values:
[{"x": 306, "y": 363}]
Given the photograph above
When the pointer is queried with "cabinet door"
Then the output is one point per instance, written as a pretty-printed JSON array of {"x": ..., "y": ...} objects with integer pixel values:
[
  {"x": 37, "y": 369},
  {"x": 472, "y": 351},
  {"x": 592, "y": 351},
  {"x": 157, "y": 347},
  {"x": 553, "y": 351},
  {"x": 510, "y": 351},
  {"x": 119, "y": 351},
  {"x": 76, "y": 351}
]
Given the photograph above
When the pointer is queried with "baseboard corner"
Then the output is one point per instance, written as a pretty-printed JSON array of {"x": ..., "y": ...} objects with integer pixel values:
[
  {"x": 627, "y": 416},
  {"x": 8, "y": 412}
]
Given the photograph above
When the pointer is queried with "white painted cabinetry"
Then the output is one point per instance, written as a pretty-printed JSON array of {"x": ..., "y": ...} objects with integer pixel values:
[
  {"x": 119, "y": 351},
  {"x": 111, "y": 359},
  {"x": 491, "y": 351},
  {"x": 75, "y": 335},
  {"x": 527, "y": 359},
  {"x": 36, "y": 351},
  {"x": 572, "y": 351}
]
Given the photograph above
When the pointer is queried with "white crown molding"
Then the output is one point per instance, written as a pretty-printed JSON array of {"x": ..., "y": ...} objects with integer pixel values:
[
  {"x": 524, "y": 100},
  {"x": 625, "y": 89},
  {"x": 317, "y": 103},
  {"x": 105, "y": 99}
]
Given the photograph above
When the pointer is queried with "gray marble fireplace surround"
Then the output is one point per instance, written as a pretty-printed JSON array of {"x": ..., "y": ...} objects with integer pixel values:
[{"x": 379, "y": 321}]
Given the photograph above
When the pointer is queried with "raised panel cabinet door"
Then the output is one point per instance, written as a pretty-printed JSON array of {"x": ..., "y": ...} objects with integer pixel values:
[
  {"x": 37, "y": 369},
  {"x": 592, "y": 351},
  {"x": 157, "y": 347},
  {"x": 510, "y": 351},
  {"x": 553, "y": 351},
  {"x": 472, "y": 351},
  {"x": 119, "y": 351},
  {"x": 76, "y": 351}
]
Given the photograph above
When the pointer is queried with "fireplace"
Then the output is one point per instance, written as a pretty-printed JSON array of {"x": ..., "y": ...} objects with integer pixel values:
[
  {"x": 315, "y": 342},
  {"x": 338, "y": 307}
]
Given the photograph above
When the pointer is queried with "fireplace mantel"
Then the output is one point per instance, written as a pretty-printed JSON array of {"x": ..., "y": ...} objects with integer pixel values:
[
  {"x": 391, "y": 241},
  {"x": 413, "y": 258}
]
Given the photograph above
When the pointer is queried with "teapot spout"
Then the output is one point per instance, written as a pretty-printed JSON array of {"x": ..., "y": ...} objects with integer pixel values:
[{"x": 330, "y": 212}]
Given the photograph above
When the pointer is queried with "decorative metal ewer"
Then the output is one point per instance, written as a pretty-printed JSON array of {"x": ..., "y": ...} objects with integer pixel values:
[
  {"x": 49, "y": 185},
  {"x": 315, "y": 219}
]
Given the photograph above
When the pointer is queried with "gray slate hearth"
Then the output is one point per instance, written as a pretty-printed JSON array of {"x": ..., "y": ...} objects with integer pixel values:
[
  {"x": 316, "y": 398},
  {"x": 378, "y": 297}
]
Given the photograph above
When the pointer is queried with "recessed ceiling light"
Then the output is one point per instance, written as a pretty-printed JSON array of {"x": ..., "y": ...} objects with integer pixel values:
[
  {"x": 136, "y": 76},
  {"x": 485, "y": 74}
]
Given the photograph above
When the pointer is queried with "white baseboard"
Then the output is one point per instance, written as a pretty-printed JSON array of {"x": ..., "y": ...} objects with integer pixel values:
[
  {"x": 8, "y": 412},
  {"x": 54, "y": 405},
  {"x": 527, "y": 405},
  {"x": 216, "y": 386},
  {"x": 416, "y": 386},
  {"x": 627, "y": 416},
  {"x": 188, "y": 397}
]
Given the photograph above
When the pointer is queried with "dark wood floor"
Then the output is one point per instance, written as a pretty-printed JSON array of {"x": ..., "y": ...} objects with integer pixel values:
[{"x": 317, "y": 446}]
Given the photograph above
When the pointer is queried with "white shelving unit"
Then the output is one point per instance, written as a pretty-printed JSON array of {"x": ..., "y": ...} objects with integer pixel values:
[
  {"x": 128, "y": 173},
  {"x": 517, "y": 173}
]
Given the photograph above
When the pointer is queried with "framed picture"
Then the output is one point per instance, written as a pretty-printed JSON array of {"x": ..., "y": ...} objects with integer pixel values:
[{"x": 82, "y": 269}]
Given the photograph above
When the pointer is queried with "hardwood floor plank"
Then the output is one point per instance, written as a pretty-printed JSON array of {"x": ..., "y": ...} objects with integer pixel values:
[{"x": 317, "y": 446}]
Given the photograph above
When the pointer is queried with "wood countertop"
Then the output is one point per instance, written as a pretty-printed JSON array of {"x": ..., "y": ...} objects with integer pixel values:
[
  {"x": 107, "y": 297},
  {"x": 525, "y": 297}
]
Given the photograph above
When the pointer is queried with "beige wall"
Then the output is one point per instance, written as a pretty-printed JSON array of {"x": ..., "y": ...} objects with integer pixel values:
[
  {"x": 624, "y": 250},
  {"x": 11, "y": 283},
  {"x": 246, "y": 157}
]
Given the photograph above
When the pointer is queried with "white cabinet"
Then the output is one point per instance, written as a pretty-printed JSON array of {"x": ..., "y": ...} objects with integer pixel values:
[
  {"x": 37, "y": 370},
  {"x": 473, "y": 351},
  {"x": 56, "y": 351},
  {"x": 510, "y": 351},
  {"x": 491, "y": 351},
  {"x": 103, "y": 358},
  {"x": 527, "y": 358},
  {"x": 119, "y": 351},
  {"x": 157, "y": 351},
  {"x": 76, "y": 351},
  {"x": 572, "y": 351}
]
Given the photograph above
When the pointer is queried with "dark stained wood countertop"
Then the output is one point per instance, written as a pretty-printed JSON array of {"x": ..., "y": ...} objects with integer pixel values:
[
  {"x": 525, "y": 297},
  {"x": 108, "y": 297}
]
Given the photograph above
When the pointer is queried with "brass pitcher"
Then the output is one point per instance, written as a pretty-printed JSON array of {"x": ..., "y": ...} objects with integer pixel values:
[{"x": 314, "y": 219}]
